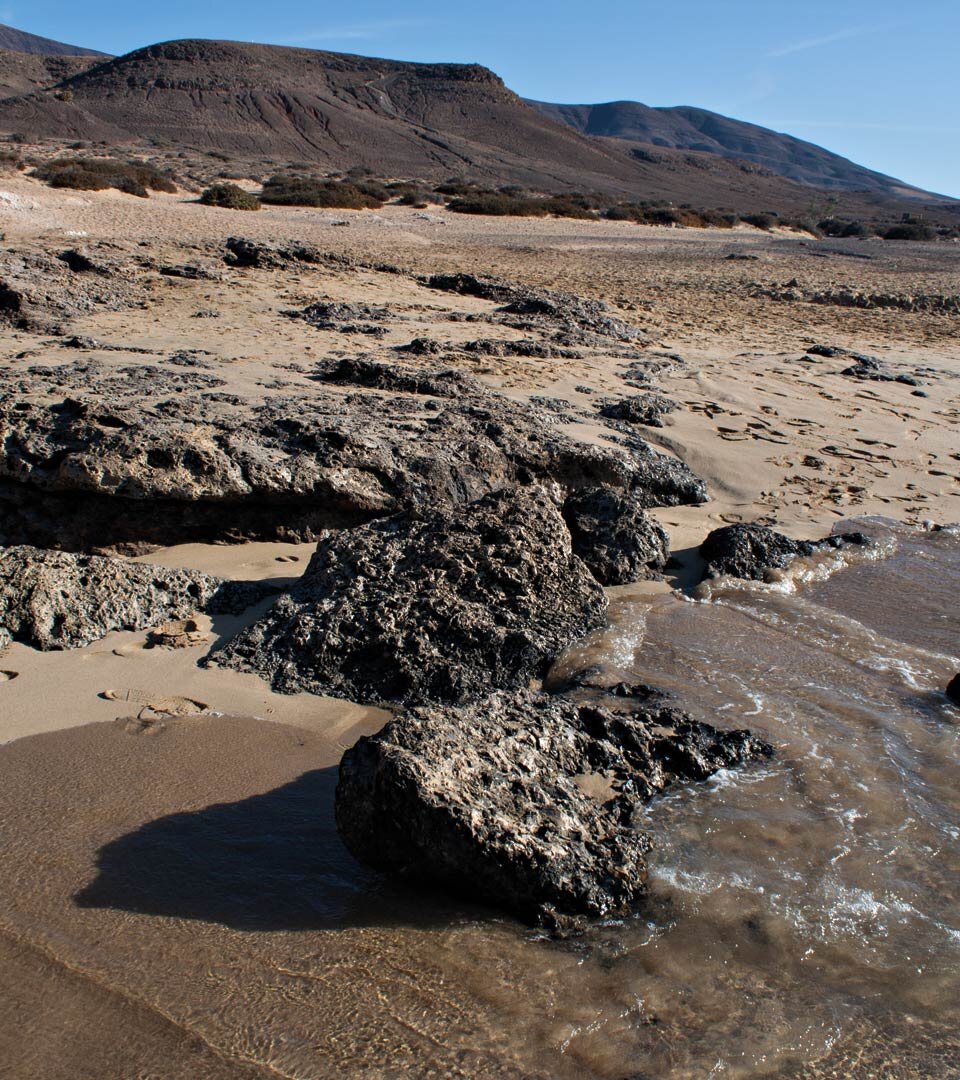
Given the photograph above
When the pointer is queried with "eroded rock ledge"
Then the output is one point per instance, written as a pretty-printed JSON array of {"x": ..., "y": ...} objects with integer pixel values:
[
  {"x": 530, "y": 802},
  {"x": 92, "y": 458}
]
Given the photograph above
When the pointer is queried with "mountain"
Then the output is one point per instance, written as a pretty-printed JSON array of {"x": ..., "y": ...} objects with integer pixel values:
[
  {"x": 22, "y": 42},
  {"x": 272, "y": 105},
  {"x": 21, "y": 73},
  {"x": 684, "y": 128}
]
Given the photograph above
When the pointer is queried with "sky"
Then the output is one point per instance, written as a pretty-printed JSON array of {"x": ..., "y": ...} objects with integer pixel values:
[{"x": 878, "y": 81}]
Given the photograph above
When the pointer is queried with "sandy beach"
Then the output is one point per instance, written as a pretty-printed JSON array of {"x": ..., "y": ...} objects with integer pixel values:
[{"x": 180, "y": 883}]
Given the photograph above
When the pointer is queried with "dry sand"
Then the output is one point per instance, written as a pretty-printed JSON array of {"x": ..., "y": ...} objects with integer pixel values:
[{"x": 291, "y": 962}]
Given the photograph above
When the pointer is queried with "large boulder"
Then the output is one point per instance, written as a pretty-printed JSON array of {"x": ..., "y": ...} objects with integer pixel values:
[
  {"x": 439, "y": 606},
  {"x": 530, "y": 802},
  {"x": 56, "y": 600},
  {"x": 751, "y": 551},
  {"x": 614, "y": 536}
]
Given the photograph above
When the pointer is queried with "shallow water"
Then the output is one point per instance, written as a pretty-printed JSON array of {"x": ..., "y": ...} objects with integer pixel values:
[{"x": 185, "y": 898}]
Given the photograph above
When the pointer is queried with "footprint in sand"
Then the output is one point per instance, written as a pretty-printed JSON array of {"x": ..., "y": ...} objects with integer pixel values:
[
  {"x": 8, "y": 676},
  {"x": 146, "y": 722},
  {"x": 158, "y": 703}
]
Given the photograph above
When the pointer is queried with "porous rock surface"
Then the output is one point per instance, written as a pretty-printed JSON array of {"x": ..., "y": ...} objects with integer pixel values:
[
  {"x": 527, "y": 801},
  {"x": 94, "y": 458},
  {"x": 57, "y": 600},
  {"x": 443, "y": 605},
  {"x": 750, "y": 550},
  {"x": 646, "y": 409},
  {"x": 614, "y": 536}
]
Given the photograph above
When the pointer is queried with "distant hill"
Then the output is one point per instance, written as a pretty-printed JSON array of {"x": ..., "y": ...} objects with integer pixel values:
[
  {"x": 265, "y": 103},
  {"x": 22, "y": 42},
  {"x": 684, "y": 128}
]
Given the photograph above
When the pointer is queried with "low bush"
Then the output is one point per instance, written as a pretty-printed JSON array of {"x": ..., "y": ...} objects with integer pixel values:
[
  {"x": 97, "y": 174},
  {"x": 230, "y": 197},
  {"x": 494, "y": 204},
  {"x": 909, "y": 230},
  {"x": 760, "y": 221},
  {"x": 284, "y": 190},
  {"x": 838, "y": 227}
]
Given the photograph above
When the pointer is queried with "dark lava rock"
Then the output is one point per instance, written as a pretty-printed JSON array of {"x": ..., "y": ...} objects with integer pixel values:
[
  {"x": 579, "y": 318},
  {"x": 829, "y": 351},
  {"x": 376, "y": 375},
  {"x": 94, "y": 456},
  {"x": 647, "y": 409},
  {"x": 343, "y": 318},
  {"x": 953, "y": 689},
  {"x": 750, "y": 551},
  {"x": 421, "y": 346},
  {"x": 55, "y": 600},
  {"x": 249, "y": 253},
  {"x": 613, "y": 535},
  {"x": 439, "y": 606},
  {"x": 530, "y": 802}
]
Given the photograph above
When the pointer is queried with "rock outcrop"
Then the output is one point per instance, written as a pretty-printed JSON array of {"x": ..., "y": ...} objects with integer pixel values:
[
  {"x": 96, "y": 457},
  {"x": 953, "y": 689},
  {"x": 55, "y": 600},
  {"x": 529, "y": 802},
  {"x": 645, "y": 409},
  {"x": 614, "y": 536},
  {"x": 445, "y": 606},
  {"x": 750, "y": 551},
  {"x": 572, "y": 319}
]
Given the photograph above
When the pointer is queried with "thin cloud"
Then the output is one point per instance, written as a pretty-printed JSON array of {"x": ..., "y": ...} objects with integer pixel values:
[
  {"x": 357, "y": 31},
  {"x": 825, "y": 39}
]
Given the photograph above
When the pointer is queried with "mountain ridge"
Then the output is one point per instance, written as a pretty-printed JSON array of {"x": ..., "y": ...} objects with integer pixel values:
[
  {"x": 33, "y": 45},
  {"x": 277, "y": 104}
]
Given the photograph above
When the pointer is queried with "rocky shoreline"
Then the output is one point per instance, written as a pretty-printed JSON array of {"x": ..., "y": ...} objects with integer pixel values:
[{"x": 464, "y": 541}]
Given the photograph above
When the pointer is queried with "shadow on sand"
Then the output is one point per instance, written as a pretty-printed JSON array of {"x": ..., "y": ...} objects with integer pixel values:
[{"x": 268, "y": 863}]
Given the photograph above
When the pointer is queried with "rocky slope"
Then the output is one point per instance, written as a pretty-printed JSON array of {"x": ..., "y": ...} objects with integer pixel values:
[
  {"x": 431, "y": 121},
  {"x": 685, "y": 128},
  {"x": 22, "y": 42}
]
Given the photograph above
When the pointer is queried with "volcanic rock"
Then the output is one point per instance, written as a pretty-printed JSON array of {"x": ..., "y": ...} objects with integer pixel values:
[
  {"x": 443, "y": 605},
  {"x": 98, "y": 457},
  {"x": 647, "y": 409},
  {"x": 578, "y": 318},
  {"x": 54, "y": 600},
  {"x": 343, "y": 318},
  {"x": 613, "y": 535},
  {"x": 751, "y": 550},
  {"x": 530, "y": 802}
]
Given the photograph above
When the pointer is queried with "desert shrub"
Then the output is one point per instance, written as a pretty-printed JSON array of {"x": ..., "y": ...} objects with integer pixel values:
[
  {"x": 374, "y": 189},
  {"x": 10, "y": 161},
  {"x": 760, "y": 221},
  {"x": 283, "y": 190},
  {"x": 97, "y": 174},
  {"x": 842, "y": 228},
  {"x": 497, "y": 205},
  {"x": 718, "y": 219},
  {"x": 909, "y": 230},
  {"x": 230, "y": 197},
  {"x": 456, "y": 188}
]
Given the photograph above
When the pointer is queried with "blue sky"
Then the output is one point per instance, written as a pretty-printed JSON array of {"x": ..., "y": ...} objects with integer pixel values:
[{"x": 878, "y": 82}]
